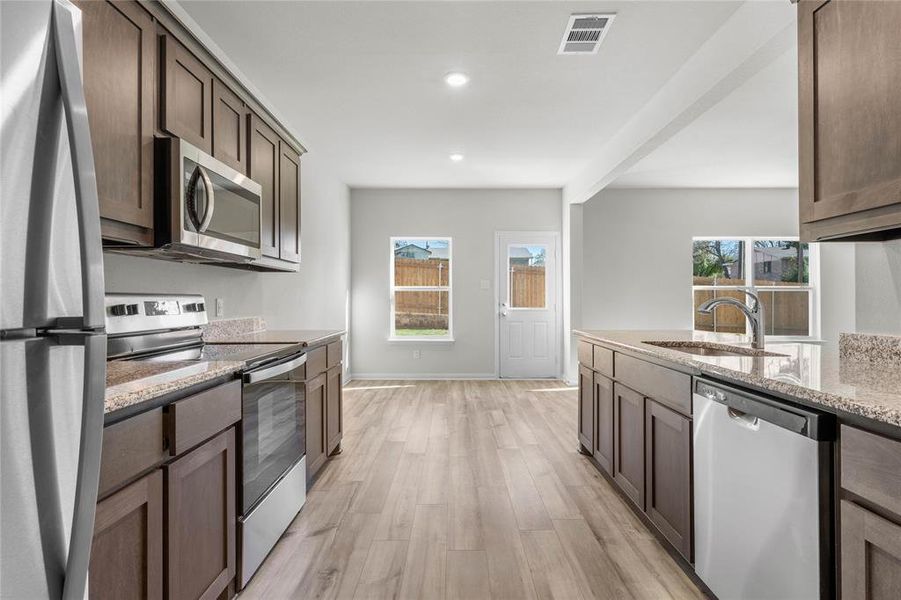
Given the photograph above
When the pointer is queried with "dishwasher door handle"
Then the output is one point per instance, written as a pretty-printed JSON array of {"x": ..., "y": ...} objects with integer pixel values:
[{"x": 743, "y": 419}]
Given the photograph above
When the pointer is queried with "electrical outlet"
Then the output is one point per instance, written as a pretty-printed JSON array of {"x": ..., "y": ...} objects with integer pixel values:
[
  {"x": 417, "y": 354},
  {"x": 220, "y": 307},
  {"x": 485, "y": 284}
]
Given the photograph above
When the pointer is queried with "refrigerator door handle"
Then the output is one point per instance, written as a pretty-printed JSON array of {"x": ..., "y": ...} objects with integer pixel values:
[
  {"x": 89, "y": 455},
  {"x": 86, "y": 197}
]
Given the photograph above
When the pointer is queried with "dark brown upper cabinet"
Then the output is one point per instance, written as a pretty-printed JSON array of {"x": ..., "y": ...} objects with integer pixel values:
[
  {"x": 668, "y": 474},
  {"x": 289, "y": 203},
  {"x": 849, "y": 119},
  {"x": 229, "y": 117},
  {"x": 262, "y": 166},
  {"x": 187, "y": 92},
  {"x": 119, "y": 81}
]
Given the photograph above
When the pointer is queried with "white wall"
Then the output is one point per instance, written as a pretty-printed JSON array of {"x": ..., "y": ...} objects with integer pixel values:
[
  {"x": 314, "y": 298},
  {"x": 637, "y": 253},
  {"x": 471, "y": 218}
]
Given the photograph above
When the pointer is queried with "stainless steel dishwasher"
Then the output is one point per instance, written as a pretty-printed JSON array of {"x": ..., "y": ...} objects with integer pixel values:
[{"x": 763, "y": 509}]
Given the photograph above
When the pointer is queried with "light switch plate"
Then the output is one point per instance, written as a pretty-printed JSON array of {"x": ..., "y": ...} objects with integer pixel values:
[{"x": 485, "y": 284}]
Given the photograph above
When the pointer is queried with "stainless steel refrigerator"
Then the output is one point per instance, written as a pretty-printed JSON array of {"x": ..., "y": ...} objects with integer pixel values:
[{"x": 53, "y": 345}]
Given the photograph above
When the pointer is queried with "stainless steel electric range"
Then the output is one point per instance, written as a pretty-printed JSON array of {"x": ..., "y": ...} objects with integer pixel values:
[{"x": 272, "y": 440}]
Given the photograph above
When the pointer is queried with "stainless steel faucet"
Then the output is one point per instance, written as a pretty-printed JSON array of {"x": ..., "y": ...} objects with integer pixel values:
[{"x": 753, "y": 312}]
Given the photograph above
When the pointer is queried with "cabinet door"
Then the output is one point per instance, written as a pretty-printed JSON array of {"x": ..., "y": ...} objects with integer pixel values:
[
  {"x": 849, "y": 114},
  {"x": 229, "y": 127},
  {"x": 119, "y": 66},
  {"x": 871, "y": 555},
  {"x": 200, "y": 526},
  {"x": 262, "y": 167},
  {"x": 334, "y": 418},
  {"x": 586, "y": 409},
  {"x": 628, "y": 438},
  {"x": 316, "y": 437},
  {"x": 127, "y": 551},
  {"x": 603, "y": 411},
  {"x": 289, "y": 204},
  {"x": 668, "y": 474},
  {"x": 187, "y": 96}
]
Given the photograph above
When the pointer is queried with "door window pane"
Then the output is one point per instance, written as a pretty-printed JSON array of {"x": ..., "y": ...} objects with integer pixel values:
[
  {"x": 421, "y": 262},
  {"x": 527, "y": 284},
  {"x": 718, "y": 262},
  {"x": 781, "y": 262},
  {"x": 421, "y": 313}
]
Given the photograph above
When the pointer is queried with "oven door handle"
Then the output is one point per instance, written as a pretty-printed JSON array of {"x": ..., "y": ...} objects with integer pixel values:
[{"x": 275, "y": 370}]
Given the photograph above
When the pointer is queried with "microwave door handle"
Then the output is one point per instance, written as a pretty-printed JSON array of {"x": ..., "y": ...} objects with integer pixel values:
[
  {"x": 274, "y": 371},
  {"x": 210, "y": 202},
  {"x": 86, "y": 197}
]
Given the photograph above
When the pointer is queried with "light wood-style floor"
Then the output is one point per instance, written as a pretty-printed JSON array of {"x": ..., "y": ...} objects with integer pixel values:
[{"x": 465, "y": 489}]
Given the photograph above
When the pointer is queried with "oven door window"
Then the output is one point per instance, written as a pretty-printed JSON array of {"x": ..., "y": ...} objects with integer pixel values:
[
  {"x": 233, "y": 215},
  {"x": 274, "y": 424}
]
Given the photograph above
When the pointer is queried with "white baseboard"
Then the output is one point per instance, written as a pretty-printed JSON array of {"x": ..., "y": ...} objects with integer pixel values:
[{"x": 420, "y": 376}]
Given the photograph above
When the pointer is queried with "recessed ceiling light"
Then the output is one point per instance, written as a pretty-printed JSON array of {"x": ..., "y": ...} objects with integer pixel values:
[
  {"x": 456, "y": 79},
  {"x": 456, "y": 157}
]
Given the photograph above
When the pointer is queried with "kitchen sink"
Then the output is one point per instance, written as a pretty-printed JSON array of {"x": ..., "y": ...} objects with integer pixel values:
[{"x": 712, "y": 349}]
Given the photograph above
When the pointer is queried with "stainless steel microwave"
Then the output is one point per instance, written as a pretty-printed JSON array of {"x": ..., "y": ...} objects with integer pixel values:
[{"x": 206, "y": 211}]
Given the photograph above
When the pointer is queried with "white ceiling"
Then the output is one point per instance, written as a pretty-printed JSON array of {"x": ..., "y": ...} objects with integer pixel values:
[
  {"x": 749, "y": 139},
  {"x": 361, "y": 82}
]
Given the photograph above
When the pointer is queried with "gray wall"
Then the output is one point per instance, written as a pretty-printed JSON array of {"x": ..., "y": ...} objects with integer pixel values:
[
  {"x": 471, "y": 217},
  {"x": 637, "y": 248},
  {"x": 316, "y": 297},
  {"x": 878, "y": 283}
]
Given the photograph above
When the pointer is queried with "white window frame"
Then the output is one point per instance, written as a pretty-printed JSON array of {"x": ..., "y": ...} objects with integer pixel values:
[
  {"x": 392, "y": 333},
  {"x": 812, "y": 287}
]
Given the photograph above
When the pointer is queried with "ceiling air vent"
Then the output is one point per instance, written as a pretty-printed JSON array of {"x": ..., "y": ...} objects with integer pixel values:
[{"x": 584, "y": 33}]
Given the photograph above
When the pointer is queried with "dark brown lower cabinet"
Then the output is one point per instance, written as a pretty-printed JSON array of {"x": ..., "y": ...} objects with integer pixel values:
[
  {"x": 200, "y": 527},
  {"x": 629, "y": 446},
  {"x": 127, "y": 552},
  {"x": 603, "y": 411},
  {"x": 870, "y": 555},
  {"x": 317, "y": 451},
  {"x": 334, "y": 419},
  {"x": 668, "y": 474},
  {"x": 586, "y": 408}
]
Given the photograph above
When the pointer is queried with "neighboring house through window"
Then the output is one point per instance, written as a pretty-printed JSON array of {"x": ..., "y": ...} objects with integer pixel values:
[
  {"x": 782, "y": 272},
  {"x": 421, "y": 288}
]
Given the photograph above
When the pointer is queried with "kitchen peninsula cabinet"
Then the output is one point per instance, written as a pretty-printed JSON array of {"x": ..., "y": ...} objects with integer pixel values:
[
  {"x": 119, "y": 65},
  {"x": 325, "y": 405},
  {"x": 849, "y": 119},
  {"x": 317, "y": 452},
  {"x": 187, "y": 95},
  {"x": 635, "y": 423}
]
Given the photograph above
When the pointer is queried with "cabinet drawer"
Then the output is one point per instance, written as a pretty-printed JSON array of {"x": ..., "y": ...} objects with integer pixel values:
[
  {"x": 334, "y": 353},
  {"x": 317, "y": 361},
  {"x": 131, "y": 447},
  {"x": 586, "y": 354},
  {"x": 666, "y": 386},
  {"x": 871, "y": 467},
  {"x": 201, "y": 416},
  {"x": 603, "y": 361}
]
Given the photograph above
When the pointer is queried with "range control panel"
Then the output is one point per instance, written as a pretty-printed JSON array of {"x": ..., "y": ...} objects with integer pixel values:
[{"x": 137, "y": 313}]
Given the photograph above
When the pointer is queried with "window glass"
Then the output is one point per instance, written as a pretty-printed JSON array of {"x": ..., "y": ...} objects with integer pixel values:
[
  {"x": 718, "y": 262},
  {"x": 776, "y": 262},
  {"x": 421, "y": 288},
  {"x": 526, "y": 268}
]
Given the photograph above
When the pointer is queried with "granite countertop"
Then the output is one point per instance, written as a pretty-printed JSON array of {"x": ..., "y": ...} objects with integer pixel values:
[
  {"x": 302, "y": 337},
  {"x": 130, "y": 382},
  {"x": 856, "y": 380}
]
